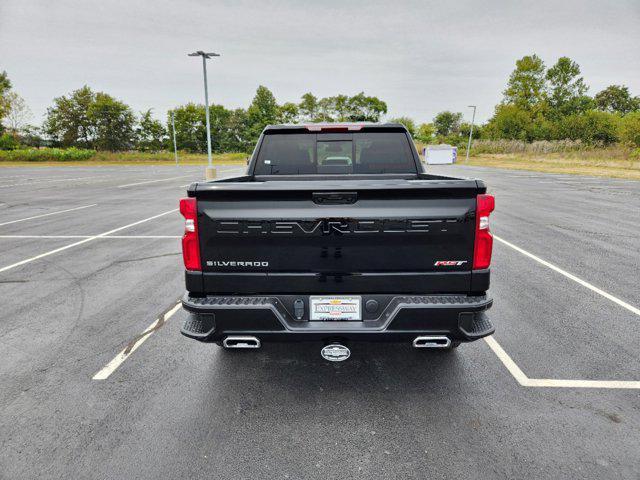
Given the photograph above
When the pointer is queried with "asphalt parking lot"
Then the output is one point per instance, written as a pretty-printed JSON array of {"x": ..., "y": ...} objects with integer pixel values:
[{"x": 97, "y": 382}]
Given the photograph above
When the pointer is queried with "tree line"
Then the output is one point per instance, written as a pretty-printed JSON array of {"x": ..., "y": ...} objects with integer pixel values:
[
  {"x": 96, "y": 120},
  {"x": 539, "y": 103}
]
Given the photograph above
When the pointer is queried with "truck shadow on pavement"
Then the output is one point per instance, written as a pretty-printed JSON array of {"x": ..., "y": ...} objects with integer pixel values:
[{"x": 371, "y": 369}]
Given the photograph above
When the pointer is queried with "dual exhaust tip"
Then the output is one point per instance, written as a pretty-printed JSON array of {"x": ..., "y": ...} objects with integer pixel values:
[
  {"x": 432, "y": 341},
  {"x": 238, "y": 341},
  {"x": 335, "y": 351}
]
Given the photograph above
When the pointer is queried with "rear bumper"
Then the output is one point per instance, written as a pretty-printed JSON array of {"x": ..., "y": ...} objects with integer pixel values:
[{"x": 402, "y": 318}]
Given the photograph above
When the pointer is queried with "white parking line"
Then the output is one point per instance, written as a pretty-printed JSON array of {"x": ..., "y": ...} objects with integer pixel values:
[
  {"x": 133, "y": 346},
  {"x": 48, "y": 214},
  {"x": 52, "y": 180},
  {"x": 525, "y": 381},
  {"x": 519, "y": 375},
  {"x": 570, "y": 276},
  {"x": 153, "y": 181},
  {"x": 91, "y": 236},
  {"x": 85, "y": 240}
]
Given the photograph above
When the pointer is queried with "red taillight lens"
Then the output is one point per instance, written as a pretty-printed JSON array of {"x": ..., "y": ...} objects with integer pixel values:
[
  {"x": 190, "y": 245},
  {"x": 484, "y": 240}
]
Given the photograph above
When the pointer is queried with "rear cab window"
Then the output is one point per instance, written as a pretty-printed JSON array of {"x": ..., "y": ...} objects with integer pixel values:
[{"x": 366, "y": 152}]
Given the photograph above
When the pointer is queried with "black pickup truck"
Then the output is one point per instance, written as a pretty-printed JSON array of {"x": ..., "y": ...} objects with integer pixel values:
[{"x": 336, "y": 235}]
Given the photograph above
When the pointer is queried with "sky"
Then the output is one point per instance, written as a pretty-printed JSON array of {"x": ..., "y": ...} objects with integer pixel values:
[{"x": 421, "y": 57}]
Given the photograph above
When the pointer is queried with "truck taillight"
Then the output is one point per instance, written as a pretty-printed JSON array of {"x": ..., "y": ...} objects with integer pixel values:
[
  {"x": 190, "y": 245},
  {"x": 484, "y": 240}
]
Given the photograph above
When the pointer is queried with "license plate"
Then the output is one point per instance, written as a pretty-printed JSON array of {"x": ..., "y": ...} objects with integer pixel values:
[{"x": 335, "y": 308}]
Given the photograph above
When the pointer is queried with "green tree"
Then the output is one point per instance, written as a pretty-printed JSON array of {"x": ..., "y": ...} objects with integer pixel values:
[
  {"x": 9, "y": 141},
  {"x": 17, "y": 112},
  {"x": 220, "y": 135},
  {"x": 526, "y": 87},
  {"x": 239, "y": 135},
  {"x": 308, "y": 108},
  {"x": 263, "y": 111},
  {"x": 447, "y": 123},
  {"x": 5, "y": 87},
  {"x": 510, "y": 122},
  {"x": 150, "y": 133},
  {"x": 408, "y": 123},
  {"x": 325, "y": 112},
  {"x": 363, "y": 108},
  {"x": 31, "y": 135},
  {"x": 191, "y": 131},
  {"x": 230, "y": 129},
  {"x": 592, "y": 127},
  {"x": 341, "y": 108},
  {"x": 335, "y": 109},
  {"x": 426, "y": 132},
  {"x": 630, "y": 129},
  {"x": 566, "y": 88},
  {"x": 616, "y": 99},
  {"x": 67, "y": 121},
  {"x": 113, "y": 123},
  {"x": 288, "y": 113},
  {"x": 5, "y": 83},
  {"x": 465, "y": 129}
]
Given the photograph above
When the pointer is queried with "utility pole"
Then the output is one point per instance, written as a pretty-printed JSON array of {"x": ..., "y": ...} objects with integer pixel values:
[
  {"x": 210, "y": 172},
  {"x": 473, "y": 119},
  {"x": 175, "y": 145}
]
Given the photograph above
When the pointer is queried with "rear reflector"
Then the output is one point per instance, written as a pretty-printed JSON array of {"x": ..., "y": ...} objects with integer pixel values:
[
  {"x": 190, "y": 245},
  {"x": 484, "y": 240}
]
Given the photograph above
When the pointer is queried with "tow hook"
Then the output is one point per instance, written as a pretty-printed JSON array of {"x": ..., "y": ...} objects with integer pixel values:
[{"x": 335, "y": 352}]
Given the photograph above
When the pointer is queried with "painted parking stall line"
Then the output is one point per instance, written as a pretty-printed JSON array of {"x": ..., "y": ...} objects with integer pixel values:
[
  {"x": 521, "y": 377},
  {"x": 525, "y": 381},
  {"x": 571, "y": 276},
  {"x": 48, "y": 214},
  {"x": 153, "y": 181},
  {"x": 104, "y": 237},
  {"x": 53, "y": 180},
  {"x": 135, "y": 343},
  {"x": 83, "y": 241}
]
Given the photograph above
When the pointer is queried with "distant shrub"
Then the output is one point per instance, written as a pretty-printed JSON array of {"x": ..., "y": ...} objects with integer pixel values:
[
  {"x": 8, "y": 142},
  {"x": 630, "y": 129},
  {"x": 592, "y": 127},
  {"x": 46, "y": 155}
]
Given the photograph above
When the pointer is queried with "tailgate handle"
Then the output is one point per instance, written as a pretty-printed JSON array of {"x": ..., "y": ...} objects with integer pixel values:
[{"x": 335, "y": 198}]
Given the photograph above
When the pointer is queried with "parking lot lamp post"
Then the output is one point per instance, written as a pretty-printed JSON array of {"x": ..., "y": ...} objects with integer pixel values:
[
  {"x": 210, "y": 172},
  {"x": 473, "y": 119},
  {"x": 175, "y": 145}
]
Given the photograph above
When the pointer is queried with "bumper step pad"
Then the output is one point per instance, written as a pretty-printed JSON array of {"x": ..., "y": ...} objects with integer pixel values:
[
  {"x": 199, "y": 326},
  {"x": 475, "y": 325}
]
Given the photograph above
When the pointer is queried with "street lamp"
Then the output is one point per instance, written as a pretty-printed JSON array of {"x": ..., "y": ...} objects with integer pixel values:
[
  {"x": 470, "y": 131},
  {"x": 175, "y": 145},
  {"x": 210, "y": 172}
]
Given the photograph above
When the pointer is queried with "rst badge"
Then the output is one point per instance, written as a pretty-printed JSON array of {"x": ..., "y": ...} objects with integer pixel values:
[{"x": 449, "y": 263}]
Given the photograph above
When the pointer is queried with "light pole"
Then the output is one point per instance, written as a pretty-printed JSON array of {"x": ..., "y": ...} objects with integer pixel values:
[
  {"x": 210, "y": 172},
  {"x": 470, "y": 131},
  {"x": 175, "y": 145}
]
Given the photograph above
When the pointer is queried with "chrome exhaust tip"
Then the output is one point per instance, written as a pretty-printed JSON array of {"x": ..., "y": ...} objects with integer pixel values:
[
  {"x": 432, "y": 341},
  {"x": 238, "y": 341}
]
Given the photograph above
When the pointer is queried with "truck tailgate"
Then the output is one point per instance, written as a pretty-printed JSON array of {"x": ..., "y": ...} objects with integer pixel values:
[{"x": 365, "y": 237}]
